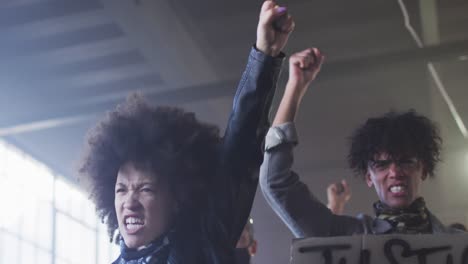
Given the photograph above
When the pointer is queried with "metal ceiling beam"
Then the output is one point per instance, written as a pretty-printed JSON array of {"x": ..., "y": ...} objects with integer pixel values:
[
  {"x": 71, "y": 54},
  {"x": 48, "y": 117},
  {"x": 332, "y": 69},
  {"x": 11, "y": 15},
  {"x": 429, "y": 22},
  {"x": 43, "y": 124},
  {"x": 431, "y": 37},
  {"x": 193, "y": 93},
  {"x": 162, "y": 38},
  {"x": 442, "y": 52},
  {"x": 55, "y": 25}
]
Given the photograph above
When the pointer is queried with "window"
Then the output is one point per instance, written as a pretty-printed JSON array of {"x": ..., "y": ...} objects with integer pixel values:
[{"x": 45, "y": 219}]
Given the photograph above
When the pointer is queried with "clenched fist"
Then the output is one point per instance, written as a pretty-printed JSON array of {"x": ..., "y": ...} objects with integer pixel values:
[{"x": 274, "y": 27}]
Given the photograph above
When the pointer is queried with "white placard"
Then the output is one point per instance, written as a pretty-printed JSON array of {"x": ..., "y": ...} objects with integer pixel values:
[{"x": 382, "y": 249}]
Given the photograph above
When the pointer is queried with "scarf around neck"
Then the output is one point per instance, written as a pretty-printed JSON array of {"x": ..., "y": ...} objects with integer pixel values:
[
  {"x": 411, "y": 220},
  {"x": 156, "y": 252}
]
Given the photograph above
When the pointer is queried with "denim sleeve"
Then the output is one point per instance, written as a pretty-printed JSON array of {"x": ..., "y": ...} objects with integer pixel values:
[
  {"x": 290, "y": 198},
  {"x": 241, "y": 153}
]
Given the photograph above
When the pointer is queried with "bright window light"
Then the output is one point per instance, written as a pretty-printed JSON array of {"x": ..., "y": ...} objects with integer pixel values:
[{"x": 28, "y": 211}]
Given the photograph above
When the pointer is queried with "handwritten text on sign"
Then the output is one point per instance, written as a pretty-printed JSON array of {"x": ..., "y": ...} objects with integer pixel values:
[{"x": 388, "y": 249}]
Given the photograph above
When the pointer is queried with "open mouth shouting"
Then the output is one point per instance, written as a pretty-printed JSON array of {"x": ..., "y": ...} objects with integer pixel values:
[
  {"x": 133, "y": 224},
  {"x": 398, "y": 190}
]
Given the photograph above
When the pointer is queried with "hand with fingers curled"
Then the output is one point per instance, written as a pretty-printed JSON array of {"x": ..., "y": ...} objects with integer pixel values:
[
  {"x": 303, "y": 69},
  {"x": 338, "y": 195},
  {"x": 274, "y": 27}
]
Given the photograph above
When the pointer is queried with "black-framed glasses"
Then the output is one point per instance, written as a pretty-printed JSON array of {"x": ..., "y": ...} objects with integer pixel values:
[{"x": 381, "y": 166}]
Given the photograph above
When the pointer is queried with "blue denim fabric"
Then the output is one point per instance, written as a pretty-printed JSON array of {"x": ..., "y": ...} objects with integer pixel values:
[
  {"x": 241, "y": 154},
  {"x": 212, "y": 238}
]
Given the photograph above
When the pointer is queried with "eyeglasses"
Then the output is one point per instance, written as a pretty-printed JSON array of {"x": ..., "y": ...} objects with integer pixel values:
[{"x": 382, "y": 166}]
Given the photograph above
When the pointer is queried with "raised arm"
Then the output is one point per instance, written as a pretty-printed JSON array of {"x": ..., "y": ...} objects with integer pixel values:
[
  {"x": 303, "y": 68},
  {"x": 241, "y": 153},
  {"x": 285, "y": 192}
]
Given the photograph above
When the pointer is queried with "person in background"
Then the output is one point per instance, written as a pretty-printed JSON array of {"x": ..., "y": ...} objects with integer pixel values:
[
  {"x": 338, "y": 195},
  {"x": 393, "y": 153},
  {"x": 246, "y": 247}
]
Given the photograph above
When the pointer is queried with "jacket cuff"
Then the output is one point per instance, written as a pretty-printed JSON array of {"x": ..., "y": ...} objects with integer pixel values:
[
  {"x": 259, "y": 56},
  {"x": 281, "y": 134}
]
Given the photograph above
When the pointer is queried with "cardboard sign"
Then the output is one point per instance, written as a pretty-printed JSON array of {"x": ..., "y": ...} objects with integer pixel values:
[{"x": 382, "y": 249}]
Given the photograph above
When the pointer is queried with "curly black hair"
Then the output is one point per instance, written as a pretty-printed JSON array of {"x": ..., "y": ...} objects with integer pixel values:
[
  {"x": 405, "y": 134},
  {"x": 166, "y": 140}
]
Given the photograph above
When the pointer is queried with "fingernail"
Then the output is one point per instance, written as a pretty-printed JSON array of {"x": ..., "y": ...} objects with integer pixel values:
[{"x": 281, "y": 9}]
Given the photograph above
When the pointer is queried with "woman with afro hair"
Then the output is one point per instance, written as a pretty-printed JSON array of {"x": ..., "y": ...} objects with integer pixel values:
[{"x": 169, "y": 188}]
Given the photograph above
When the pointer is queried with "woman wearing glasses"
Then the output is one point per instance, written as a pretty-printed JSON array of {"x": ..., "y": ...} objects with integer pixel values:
[{"x": 393, "y": 153}]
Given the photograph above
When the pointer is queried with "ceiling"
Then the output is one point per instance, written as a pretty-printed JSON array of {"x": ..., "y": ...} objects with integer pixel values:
[{"x": 65, "y": 62}]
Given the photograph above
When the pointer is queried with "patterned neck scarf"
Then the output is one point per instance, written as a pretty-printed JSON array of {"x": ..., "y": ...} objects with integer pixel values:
[
  {"x": 411, "y": 220},
  {"x": 156, "y": 252}
]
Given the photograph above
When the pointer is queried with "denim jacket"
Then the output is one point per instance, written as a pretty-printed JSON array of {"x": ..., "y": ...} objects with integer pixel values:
[
  {"x": 290, "y": 198},
  {"x": 241, "y": 153},
  {"x": 210, "y": 238}
]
